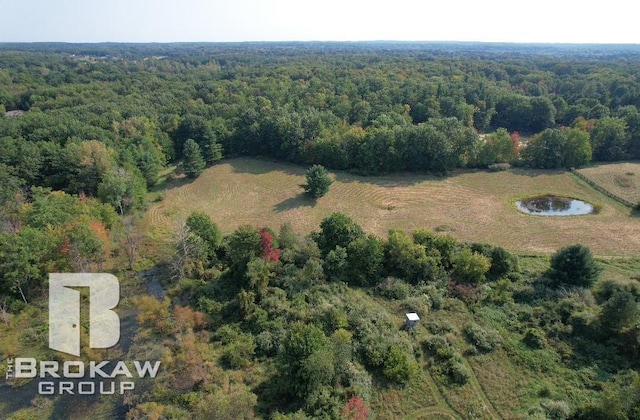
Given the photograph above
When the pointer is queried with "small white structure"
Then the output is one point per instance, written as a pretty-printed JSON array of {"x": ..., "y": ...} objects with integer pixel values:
[{"x": 411, "y": 319}]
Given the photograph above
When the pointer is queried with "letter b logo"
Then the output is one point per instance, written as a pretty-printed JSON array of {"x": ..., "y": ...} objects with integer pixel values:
[{"x": 64, "y": 311}]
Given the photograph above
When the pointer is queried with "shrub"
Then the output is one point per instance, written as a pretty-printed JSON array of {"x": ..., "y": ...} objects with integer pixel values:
[
  {"x": 393, "y": 288},
  {"x": 498, "y": 167},
  {"x": 399, "y": 367},
  {"x": 438, "y": 327},
  {"x": 239, "y": 354},
  {"x": 535, "y": 338},
  {"x": 470, "y": 267},
  {"x": 449, "y": 362},
  {"x": 484, "y": 340},
  {"x": 420, "y": 304},
  {"x": 458, "y": 372},
  {"x": 557, "y": 410}
]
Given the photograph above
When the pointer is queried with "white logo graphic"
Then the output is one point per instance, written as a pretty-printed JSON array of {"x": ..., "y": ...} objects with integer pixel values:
[{"x": 64, "y": 311}]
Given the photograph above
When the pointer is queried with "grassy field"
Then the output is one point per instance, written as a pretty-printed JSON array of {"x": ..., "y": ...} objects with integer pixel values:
[
  {"x": 469, "y": 205},
  {"x": 621, "y": 179}
]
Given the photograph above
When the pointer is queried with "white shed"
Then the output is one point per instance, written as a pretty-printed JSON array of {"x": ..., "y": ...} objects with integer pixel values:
[{"x": 411, "y": 319}]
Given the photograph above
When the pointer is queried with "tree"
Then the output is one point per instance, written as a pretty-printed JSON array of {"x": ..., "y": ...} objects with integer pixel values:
[
  {"x": 193, "y": 161},
  {"x": 190, "y": 250},
  {"x": 498, "y": 147},
  {"x": 337, "y": 229},
  {"x": 269, "y": 252},
  {"x": 305, "y": 360},
  {"x": 355, "y": 409},
  {"x": 123, "y": 188},
  {"x": 574, "y": 265},
  {"x": 609, "y": 139},
  {"x": 620, "y": 311},
  {"x": 86, "y": 246},
  {"x": 200, "y": 224},
  {"x": 318, "y": 181},
  {"x": 130, "y": 240},
  {"x": 577, "y": 151},
  {"x": 364, "y": 260},
  {"x": 242, "y": 246},
  {"x": 546, "y": 150},
  {"x": 470, "y": 267}
]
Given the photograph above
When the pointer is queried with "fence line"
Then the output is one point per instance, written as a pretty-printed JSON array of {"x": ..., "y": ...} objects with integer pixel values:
[{"x": 603, "y": 190}]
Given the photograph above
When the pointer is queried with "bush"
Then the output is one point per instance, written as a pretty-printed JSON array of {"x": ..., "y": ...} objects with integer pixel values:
[
  {"x": 535, "y": 338},
  {"x": 498, "y": 167},
  {"x": 438, "y": 327},
  {"x": 239, "y": 354},
  {"x": 484, "y": 340},
  {"x": 470, "y": 267},
  {"x": 399, "y": 367},
  {"x": 449, "y": 362},
  {"x": 574, "y": 265},
  {"x": 420, "y": 304},
  {"x": 458, "y": 372},
  {"x": 557, "y": 410},
  {"x": 393, "y": 288}
]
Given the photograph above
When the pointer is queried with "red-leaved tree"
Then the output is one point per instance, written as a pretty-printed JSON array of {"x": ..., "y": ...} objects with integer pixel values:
[
  {"x": 355, "y": 409},
  {"x": 269, "y": 253}
]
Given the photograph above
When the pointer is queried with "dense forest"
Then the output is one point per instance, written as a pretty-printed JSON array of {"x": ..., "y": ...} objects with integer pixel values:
[{"x": 283, "y": 325}]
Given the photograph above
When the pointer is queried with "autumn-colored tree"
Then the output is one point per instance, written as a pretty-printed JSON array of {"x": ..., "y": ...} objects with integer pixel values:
[
  {"x": 187, "y": 319},
  {"x": 515, "y": 138},
  {"x": 355, "y": 409},
  {"x": 269, "y": 252}
]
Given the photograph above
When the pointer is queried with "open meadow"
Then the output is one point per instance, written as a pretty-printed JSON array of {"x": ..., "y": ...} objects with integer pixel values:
[
  {"x": 473, "y": 206},
  {"x": 621, "y": 179}
]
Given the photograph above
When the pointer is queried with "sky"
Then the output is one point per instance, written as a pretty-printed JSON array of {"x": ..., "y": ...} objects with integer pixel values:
[{"x": 554, "y": 21}]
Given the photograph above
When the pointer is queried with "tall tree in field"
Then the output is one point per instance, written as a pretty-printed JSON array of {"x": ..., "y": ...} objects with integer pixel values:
[
  {"x": 318, "y": 181},
  {"x": 193, "y": 162}
]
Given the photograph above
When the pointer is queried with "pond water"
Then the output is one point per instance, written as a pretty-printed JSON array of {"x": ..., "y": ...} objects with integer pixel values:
[{"x": 551, "y": 205}]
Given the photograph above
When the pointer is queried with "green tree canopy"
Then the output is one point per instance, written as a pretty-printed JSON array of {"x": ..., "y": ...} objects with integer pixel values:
[
  {"x": 574, "y": 266},
  {"x": 337, "y": 229},
  {"x": 609, "y": 139}
]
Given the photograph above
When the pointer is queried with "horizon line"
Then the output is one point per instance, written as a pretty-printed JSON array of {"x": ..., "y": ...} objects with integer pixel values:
[{"x": 318, "y": 41}]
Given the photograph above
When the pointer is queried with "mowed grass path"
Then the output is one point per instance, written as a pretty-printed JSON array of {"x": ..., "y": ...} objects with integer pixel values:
[
  {"x": 621, "y": 179},
  {"x": 469, "y": 205}
]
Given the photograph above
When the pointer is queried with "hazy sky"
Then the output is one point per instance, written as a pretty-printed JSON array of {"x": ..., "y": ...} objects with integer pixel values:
[{"x": 611, "y": 21}]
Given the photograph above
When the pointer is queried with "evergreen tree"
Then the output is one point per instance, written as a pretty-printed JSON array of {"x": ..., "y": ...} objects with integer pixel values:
[
  {"x": 574, "y": 265},
  {"x": 193, "y": 162},
  {"x": 318, "y": 181}
]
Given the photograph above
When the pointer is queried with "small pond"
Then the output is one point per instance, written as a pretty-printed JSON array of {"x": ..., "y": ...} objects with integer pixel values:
[{"x": 551, "y": 205}]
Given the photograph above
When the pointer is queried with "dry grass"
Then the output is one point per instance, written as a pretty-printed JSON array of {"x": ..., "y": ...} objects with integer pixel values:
[
  {"x": 621, "y": 179},
  {"x": 473, "y": 206}
]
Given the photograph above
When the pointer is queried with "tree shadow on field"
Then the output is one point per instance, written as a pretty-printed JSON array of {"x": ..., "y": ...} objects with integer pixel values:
[{"x": 300, "y": 200}]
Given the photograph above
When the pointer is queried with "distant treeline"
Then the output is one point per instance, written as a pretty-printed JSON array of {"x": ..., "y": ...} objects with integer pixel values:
[{"x": 99, "y": 110}]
